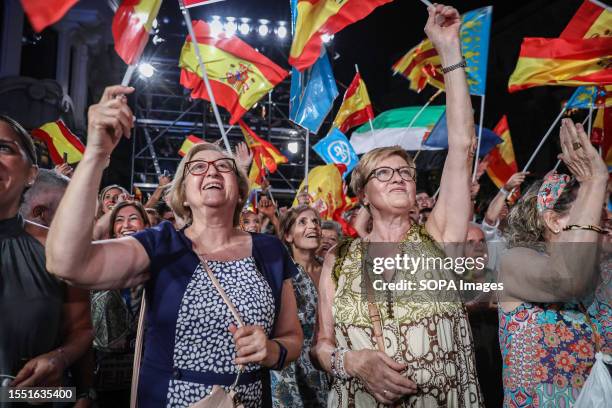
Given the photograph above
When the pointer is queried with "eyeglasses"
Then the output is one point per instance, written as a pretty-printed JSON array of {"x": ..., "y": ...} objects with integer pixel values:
[
  {"x": 199, "y": 167},
  {"x": 384, "y": 174}
]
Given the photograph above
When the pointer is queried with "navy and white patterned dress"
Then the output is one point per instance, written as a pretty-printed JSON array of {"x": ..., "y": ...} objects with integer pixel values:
[{"x": 188, "y": 347}]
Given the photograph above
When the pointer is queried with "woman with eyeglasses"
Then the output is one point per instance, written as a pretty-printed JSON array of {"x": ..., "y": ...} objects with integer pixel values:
[
  {"x": 390, "y": 347},
  {"x": 192, "y": 341}
]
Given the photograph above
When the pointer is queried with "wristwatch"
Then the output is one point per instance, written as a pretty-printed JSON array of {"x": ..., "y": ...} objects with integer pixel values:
[{"x": 89, "y": 394}]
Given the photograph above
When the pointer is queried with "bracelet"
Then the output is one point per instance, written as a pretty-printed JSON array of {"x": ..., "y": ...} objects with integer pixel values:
[
  {"x": 280, "y": 363},
  {"x": 453, "y": 67},
  {"x": 505, "y": 192},
  {"x": 333, "y": 362},
  {"x": 342, "y": 370},
  {"x": 594, "y": 228}
]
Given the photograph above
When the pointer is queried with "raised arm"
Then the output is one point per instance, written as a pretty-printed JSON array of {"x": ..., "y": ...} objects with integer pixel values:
[
  {"x": 70, "y": 253},
  {"x": 497, "y": 204},
  {"x": 449, "y": 218},
  {"x": 571, "y": 269}
]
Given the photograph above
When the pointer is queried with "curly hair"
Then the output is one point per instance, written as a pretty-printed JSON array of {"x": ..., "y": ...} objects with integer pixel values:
[{"x": 526, "y": 224}]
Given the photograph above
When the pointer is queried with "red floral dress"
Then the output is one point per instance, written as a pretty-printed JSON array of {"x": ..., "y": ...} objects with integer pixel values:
[{"x": 548, "y": 349}]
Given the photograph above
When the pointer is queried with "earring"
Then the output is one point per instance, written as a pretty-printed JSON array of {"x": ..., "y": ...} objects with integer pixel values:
[{"x": 185, "y": 204}]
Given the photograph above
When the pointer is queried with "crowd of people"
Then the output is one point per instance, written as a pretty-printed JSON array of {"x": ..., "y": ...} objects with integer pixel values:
[{"x": 275, "y": 304}]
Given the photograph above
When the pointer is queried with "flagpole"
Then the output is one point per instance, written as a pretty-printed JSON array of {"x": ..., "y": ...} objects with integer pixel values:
[
  {"x": 369, "y": 119},
  {"x": 548, "y": 132},
  {"x": 128, "y": 75},
  {"x": 480, "y": 121},
  {"x": 306, "y": 157},
  {"x": 187, "y": 17},
  {"x": 590, "y": 119},
  {"x": 429, "y": 101}
]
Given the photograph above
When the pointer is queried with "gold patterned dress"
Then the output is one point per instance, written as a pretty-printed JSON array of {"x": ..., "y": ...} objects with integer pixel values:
[{"x": 431, "y": 336}]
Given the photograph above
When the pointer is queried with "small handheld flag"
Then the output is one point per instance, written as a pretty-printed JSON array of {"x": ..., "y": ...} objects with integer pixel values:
[{"x": 336, "y": 149}]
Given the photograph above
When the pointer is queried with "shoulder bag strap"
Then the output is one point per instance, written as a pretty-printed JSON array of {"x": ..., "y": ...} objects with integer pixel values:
[
  {"x": 138, "y": 350},
  {"x": 373, "y": 309}
]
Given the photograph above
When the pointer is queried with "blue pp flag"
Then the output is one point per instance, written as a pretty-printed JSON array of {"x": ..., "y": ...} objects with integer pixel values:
[
  {"x": 335, "y": 148},
  {"x": 312, "y": 94},
  {"x": 475, "y": 30},
  {"x": 439, "y": 137},
  {"x": 585, "y": 97}
]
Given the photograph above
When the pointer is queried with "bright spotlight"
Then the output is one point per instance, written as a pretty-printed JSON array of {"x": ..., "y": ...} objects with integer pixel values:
[
  {"x": 146, "y": 70},
  {"x": 230, "y": 27},
  {"x": 326, "y": 38},
  {"x": 281, "y": 32},
  {"x": 244, "y": 28},
  {"x": 216, "y": 26},
  {"x": 293, "y": 147},
  {"x": 263, "y": 30}
]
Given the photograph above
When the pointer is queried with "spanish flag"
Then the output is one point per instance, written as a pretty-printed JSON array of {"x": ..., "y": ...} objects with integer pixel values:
[
  {"x": 318, "y": 17},
  {"x": 188, "y": 144},
  {"x": 356, "y": 107},
  {"x": 239, "y": 75},
  {"x": 131, "y": 26},
  {"x": 591, "y": 20},
  {"x": 562, "y": 61},
  {"x": 421, "y": 66},
  {"x": 265, "y": 155},
  {"x": 325, "y": 189},
  {"x": 501, "y": 160},
  {"x": 43, "y": 13},
  {"x": 61, "y": 142}
]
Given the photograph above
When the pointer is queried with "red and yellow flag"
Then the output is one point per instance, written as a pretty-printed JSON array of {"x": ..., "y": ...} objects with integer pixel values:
[
  {"x": 43, "y": 13},
  {"x": 356, "y": 107},
  {"x": 239, "y": 75},
  {"x": 61, "y": 142},
  {"x": 188, "y": 144},
  {"x": 602, "y": 133},
  {"x": 318, "y": 17},
  {"x": 421, "y": 66},
  {"x": 501, "y": 160},
  {"x": 562, "y": 61},
  {"x": 591, "y": 20},
  {"x": 131, "y": 26},
  {"x": 265, "y": 155}
]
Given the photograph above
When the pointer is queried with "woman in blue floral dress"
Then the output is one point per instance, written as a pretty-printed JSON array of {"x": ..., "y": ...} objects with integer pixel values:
[
  {"x": 301, "y": 384},
  {"x": 551, "y": 322}
]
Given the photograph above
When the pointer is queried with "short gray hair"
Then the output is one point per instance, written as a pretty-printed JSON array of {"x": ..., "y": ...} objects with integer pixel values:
[
  {"x": 332, "y": 225},
  {"x": 46, "y": 181}
]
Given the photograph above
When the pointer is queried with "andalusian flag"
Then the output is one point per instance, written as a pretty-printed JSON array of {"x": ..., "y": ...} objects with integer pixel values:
[
  {"x": 43, "y": 13},
  {"x": 421, "y": 65},
  {"x": 188, "y": 144},
  {"x": 591, "y": 20},
  {"x": 61, "y": 142},
  {"x": 318, "y": 17},
  {"x": 356, "y": 107},
  {"x": 239, "y": 75},
  {"x": 131, "y": 26},
  {"x": 562, "y": 61},
  {"x": 501, "y": 160},
  {"x": 265, "y": 155}
]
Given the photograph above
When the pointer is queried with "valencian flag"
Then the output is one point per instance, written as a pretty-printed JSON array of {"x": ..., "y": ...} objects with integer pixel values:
[
  {"x": 239, "y": 75},
  {"x": 131, "y": 26},
  {"x": 265, "y": 155},
  {"x": 356, "y": 107},
  {"x": 585, "y": 97},
  {"x": 188, "y": 144},
  {"x": 318, "y": 17},
  {"x": 562, "y": 61},
  {"x": 421, "y": 65},
  {"x": 591, "y": 20},
  {"x": 43, "y": 13},
  {"x": 61, "y": 142},
  {"x": 501, "y": 160}
]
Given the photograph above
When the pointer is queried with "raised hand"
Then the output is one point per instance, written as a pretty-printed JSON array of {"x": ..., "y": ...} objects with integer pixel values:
[
  {"x": 579, "y": 155},
  {"x": 266, "y": 207},
  {"x": 64, "y": 169},
  {"x": 442, "y": 28},
  {"x": 515, "y": 180},
  {"x": 109, "y": 120},
  {"x": 244, "y": 156}
]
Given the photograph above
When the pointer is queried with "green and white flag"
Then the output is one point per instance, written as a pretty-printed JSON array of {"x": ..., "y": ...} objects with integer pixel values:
[{"x": 391, "y": 129}]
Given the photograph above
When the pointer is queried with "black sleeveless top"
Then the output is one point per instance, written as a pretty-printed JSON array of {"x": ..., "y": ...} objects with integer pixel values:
[{"x": 31, "y": 299}]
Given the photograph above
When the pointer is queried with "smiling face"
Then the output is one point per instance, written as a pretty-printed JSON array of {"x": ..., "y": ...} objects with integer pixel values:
[
  {"x": 395, "y": 196},
  {"x": 128, "y": 221},
  {"x": 305, "y": 233},
  {"x": 109, "y": 199},
  {"x": 16, "y": 171},
  {"x": 249, "y": 222},
  {"x": 216, "y": 187}
]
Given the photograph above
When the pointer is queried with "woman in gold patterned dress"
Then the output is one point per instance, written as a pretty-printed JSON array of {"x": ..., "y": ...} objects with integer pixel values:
[{"x": 428, "y": 358}]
